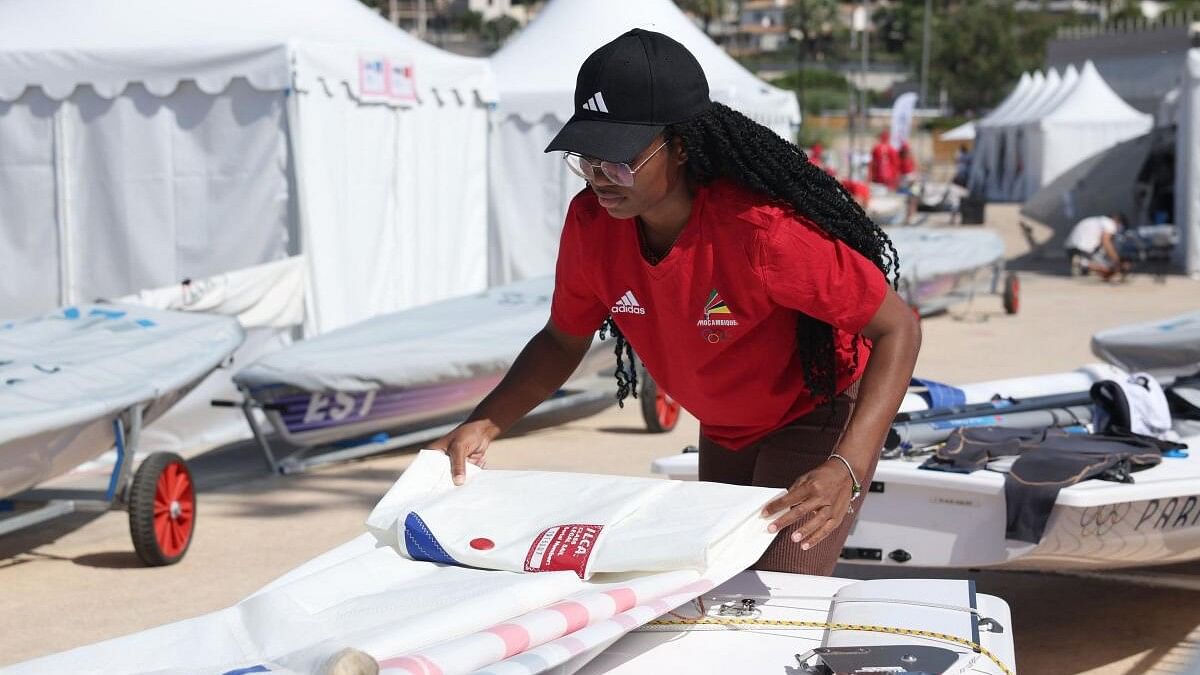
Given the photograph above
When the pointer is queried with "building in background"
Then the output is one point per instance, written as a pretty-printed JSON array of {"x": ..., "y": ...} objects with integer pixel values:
[{"x": 1141, "y": 61}]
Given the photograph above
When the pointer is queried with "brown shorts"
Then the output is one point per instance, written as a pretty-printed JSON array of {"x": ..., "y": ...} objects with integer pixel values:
[{"x": 777, "y": 461}]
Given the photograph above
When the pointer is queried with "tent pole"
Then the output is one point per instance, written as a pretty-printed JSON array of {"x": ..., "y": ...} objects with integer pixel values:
[{"x": 62, "y": 198}]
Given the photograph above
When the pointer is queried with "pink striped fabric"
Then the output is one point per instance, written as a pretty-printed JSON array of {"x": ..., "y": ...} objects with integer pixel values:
[{"x": 565, "y": 628}]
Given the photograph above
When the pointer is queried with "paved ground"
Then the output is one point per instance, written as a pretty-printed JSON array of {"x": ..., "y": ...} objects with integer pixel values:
[{"x": 78, "y": 581}]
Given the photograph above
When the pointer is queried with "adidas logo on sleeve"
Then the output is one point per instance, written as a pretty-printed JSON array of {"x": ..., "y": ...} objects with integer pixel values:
[{"x": 627, "y": 305}]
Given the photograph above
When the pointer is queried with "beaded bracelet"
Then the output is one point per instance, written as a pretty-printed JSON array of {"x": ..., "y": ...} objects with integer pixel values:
[{"x": 855, "y": 486}]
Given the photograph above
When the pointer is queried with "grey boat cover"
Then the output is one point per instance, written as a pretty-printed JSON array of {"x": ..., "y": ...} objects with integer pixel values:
[
  {"x": 455, "y": 339},
  {"x": 932, "y": 252},
  {"x": 83, "y": 363},
  {"x": 1164, "y": 348}
]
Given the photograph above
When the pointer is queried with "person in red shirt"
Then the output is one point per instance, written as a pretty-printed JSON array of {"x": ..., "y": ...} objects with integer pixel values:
[
  {"x": 907, "y": 161},
  {"x": 885, "y": 162},
  {"x": 753, "y": 287},
  {"x": 816, "y": 154}
]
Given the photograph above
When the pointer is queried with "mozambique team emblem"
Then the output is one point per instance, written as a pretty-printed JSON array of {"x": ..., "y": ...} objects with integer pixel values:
[
  {"x": 715, "y": 305},
  {"x": 716, "y": 313}
]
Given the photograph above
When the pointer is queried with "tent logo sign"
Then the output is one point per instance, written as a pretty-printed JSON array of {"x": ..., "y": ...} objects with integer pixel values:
[
  {"x": 386, "y": 79},
  {"x": 595, "y": 103}
]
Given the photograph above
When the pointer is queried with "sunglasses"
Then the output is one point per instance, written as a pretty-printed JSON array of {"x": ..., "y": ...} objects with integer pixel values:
[{"x": 617, "y": 173}]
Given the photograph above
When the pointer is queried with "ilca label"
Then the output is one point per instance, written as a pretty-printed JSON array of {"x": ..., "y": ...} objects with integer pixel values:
[{"x": 563, "y": 548}]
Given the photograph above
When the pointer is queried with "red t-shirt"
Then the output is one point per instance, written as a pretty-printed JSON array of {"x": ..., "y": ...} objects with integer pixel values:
[{"x": 715, "y": 321}]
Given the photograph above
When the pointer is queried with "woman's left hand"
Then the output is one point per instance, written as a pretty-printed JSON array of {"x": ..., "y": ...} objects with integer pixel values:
[{"x": 824, "y": 492}]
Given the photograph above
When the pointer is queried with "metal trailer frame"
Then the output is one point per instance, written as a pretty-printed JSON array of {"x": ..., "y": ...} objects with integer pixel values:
[
  {"x": 963, "y": 287},
  {"x": 61, "y": 502}
]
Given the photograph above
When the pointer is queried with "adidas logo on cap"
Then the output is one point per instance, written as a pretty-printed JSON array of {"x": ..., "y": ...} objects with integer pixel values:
[
  {"x": 595, "y": 103},
  {"x": 627, "y": 305}
]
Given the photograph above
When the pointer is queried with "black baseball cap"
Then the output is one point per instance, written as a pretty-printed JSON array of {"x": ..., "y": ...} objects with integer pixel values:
[{"x": 627, "y": 92}]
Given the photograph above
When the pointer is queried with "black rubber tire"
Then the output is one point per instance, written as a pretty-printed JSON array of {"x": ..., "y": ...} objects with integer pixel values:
[
  {"x": 1012, "y": 293},
  {"x": 141, "y": 499}
]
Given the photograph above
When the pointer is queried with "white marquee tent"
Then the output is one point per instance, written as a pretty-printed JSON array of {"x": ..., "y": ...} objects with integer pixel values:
[
  {"x": 1088, "y": 120},
  {"x": 1029, "y": 161},
  {"x": 1014, "y": 127},
  {"x": 535, "y": 74},
  {"x": 143, "y": 142},
  {"x": 1187, "y": 164},
  {"x": 986, "y": 163},
  {"x": 1047, "y": 125}
]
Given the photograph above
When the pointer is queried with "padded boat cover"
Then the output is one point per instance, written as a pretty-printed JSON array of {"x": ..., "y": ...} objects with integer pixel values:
[
  {"x": 929, "y": 252},
  {"x": 455, "y": 339},
  {"x": 82, "y": 363},
  {"x": 1169, "y": 347}
]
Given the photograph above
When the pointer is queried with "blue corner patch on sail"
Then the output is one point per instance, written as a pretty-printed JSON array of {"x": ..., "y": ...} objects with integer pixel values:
[{"x": 421, "y": 543}]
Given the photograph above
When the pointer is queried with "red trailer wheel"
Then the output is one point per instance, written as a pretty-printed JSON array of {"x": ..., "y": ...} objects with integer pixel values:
[
  {"x": 162, "y": 509},
  {"x": 1012, "y": 293},
  {"x": 659, "y": 410}
]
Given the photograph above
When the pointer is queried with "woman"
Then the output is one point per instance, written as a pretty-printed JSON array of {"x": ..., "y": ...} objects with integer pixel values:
[{"x": 752, "y": 286}]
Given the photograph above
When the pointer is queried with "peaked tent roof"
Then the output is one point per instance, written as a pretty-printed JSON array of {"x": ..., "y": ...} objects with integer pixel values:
[
  {"x": 1015, "y": 98},
  {"x": 538, "y": 64},
  {"x": 1029, "y": 111},
  {"x": 1051, "y": 99},
  {"x": 1036, "y": 87},
  {"x": 962, "y": 132},
  {"x": 1093, "y": 101},
  {"x": 274, "y": 44}
]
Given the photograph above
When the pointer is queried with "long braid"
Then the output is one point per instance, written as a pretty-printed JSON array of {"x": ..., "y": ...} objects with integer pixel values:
[
  {"x": 627, "y": 380},
  {"x": 723, "y": 143}
]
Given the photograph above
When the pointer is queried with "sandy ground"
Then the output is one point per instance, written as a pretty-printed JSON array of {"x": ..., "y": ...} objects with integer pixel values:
[{"x": 78, "y": 581}]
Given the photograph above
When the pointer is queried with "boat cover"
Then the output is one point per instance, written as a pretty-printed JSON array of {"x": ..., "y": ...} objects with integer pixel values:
[
  {"x": 1164, "y": 348},
  {"x": 270, "y": 295},
  {"x": 83, "y": 363},
  {"x": 415, "y": 616},
  {"x": 456, "y": 339},
  {"x": 931, "y": 252}
]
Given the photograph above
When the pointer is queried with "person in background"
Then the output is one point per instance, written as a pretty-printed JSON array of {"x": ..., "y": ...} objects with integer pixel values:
[
  {"x": 908, "y": 180},
  {"x": 885, "y": 162},
  {"x": 816, "y": 154},
  {"x": 908, "y": 161},
  {"x": 1091, "y": 247},
  {"x": 962, "y": 166}
]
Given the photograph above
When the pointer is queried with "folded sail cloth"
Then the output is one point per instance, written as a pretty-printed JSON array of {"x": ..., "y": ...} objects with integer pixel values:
[
  {"x": 520, "y": 521},
  {"x": 415, "y": 616}
]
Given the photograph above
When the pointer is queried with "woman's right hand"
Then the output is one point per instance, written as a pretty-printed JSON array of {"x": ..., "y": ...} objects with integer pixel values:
[{"x": 468, "y": 442}]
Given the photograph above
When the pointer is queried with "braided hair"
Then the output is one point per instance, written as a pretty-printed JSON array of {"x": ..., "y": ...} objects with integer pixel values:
[{"x": 723, "y": 143}]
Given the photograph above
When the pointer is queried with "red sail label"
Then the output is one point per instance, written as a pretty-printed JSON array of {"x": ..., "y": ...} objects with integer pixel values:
[{"x": 563, "y": 548}]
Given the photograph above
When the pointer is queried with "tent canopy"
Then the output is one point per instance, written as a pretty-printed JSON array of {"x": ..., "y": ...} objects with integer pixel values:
[
  {"x": 1102, "y": 184},
  {"x": 1034, "y": 105},
  {"x": 962, "y": 132},
  {"x": 1088, "y": 120},
  {"x": 1092, "y": 101},
  {"x": 536, "y": 69},
  {"x": 109, "y": 44}
]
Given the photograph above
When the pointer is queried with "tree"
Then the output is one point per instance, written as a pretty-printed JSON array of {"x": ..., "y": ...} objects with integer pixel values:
[
  {"x": 497, "y": 30},
  {"x": 816, "y": 22},
  {"x": 707, "y": 10},
  {"x": 979, "y": 47}
]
